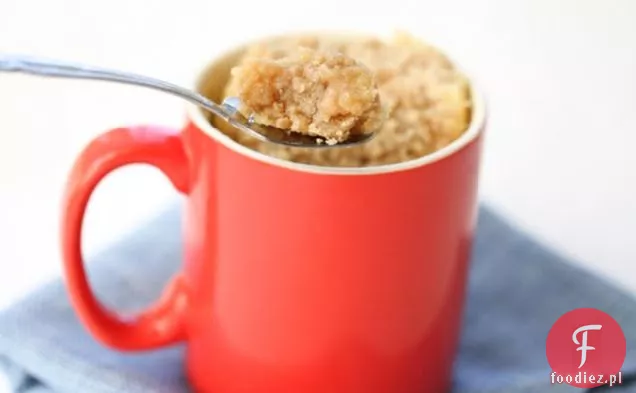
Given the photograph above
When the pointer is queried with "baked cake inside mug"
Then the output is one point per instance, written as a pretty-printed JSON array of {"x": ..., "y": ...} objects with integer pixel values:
[{"x": 424, "y": 101}]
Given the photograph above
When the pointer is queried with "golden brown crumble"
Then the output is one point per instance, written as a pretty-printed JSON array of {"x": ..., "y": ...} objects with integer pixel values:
[
  {"x": 426, "y": 101},
  {"x": 321, "y": 94}
]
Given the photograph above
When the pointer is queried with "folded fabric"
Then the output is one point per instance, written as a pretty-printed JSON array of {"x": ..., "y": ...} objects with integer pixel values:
[{"x": 518, "y": 289}]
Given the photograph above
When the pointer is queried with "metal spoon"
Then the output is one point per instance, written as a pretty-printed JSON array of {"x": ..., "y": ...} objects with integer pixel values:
[{"x": 228, "y": 110}]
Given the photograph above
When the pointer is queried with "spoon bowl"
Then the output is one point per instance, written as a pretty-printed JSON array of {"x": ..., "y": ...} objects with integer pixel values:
[{"x": 279, "y": 136}]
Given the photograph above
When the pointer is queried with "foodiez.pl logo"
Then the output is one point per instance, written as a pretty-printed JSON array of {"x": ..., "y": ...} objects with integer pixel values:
[{"x": 586, "y": 348}]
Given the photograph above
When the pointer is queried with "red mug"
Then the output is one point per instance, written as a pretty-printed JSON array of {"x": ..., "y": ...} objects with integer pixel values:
[{"x": 296, "y": 278}]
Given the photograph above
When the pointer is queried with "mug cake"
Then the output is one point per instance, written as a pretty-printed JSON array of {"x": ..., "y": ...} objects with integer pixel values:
[{"x": 407, "y": 89}]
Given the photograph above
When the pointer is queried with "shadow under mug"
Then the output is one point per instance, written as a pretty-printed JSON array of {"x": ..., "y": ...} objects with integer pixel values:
[{"x": 296, "y": 278}]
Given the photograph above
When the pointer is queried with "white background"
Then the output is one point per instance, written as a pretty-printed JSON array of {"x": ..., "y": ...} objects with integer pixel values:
[{"x": 560, "y": 76}]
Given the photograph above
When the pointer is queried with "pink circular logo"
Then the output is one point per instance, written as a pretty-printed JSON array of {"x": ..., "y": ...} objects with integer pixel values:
[{"x": 586, "y": 348}]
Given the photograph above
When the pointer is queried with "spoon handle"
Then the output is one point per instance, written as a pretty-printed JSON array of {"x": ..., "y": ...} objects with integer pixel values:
[{"x": 59, "y": 69}]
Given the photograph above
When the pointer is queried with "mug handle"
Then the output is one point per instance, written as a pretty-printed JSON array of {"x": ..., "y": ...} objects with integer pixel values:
[{"x": 163, "y": 323}]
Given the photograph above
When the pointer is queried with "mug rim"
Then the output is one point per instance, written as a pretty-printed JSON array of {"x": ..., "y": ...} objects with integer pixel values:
[{"x": 476, "y": 127}]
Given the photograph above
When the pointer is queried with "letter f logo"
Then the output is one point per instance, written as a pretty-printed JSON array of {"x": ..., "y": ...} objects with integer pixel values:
[{"x": 583, "y": 344}]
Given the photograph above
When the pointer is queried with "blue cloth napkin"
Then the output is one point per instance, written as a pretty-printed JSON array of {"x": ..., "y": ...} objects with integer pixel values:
[{"x": 518, "y": 289}]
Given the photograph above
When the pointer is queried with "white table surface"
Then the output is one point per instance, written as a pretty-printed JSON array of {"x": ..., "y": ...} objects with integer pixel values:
[{"x": 560, "y": 76}]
